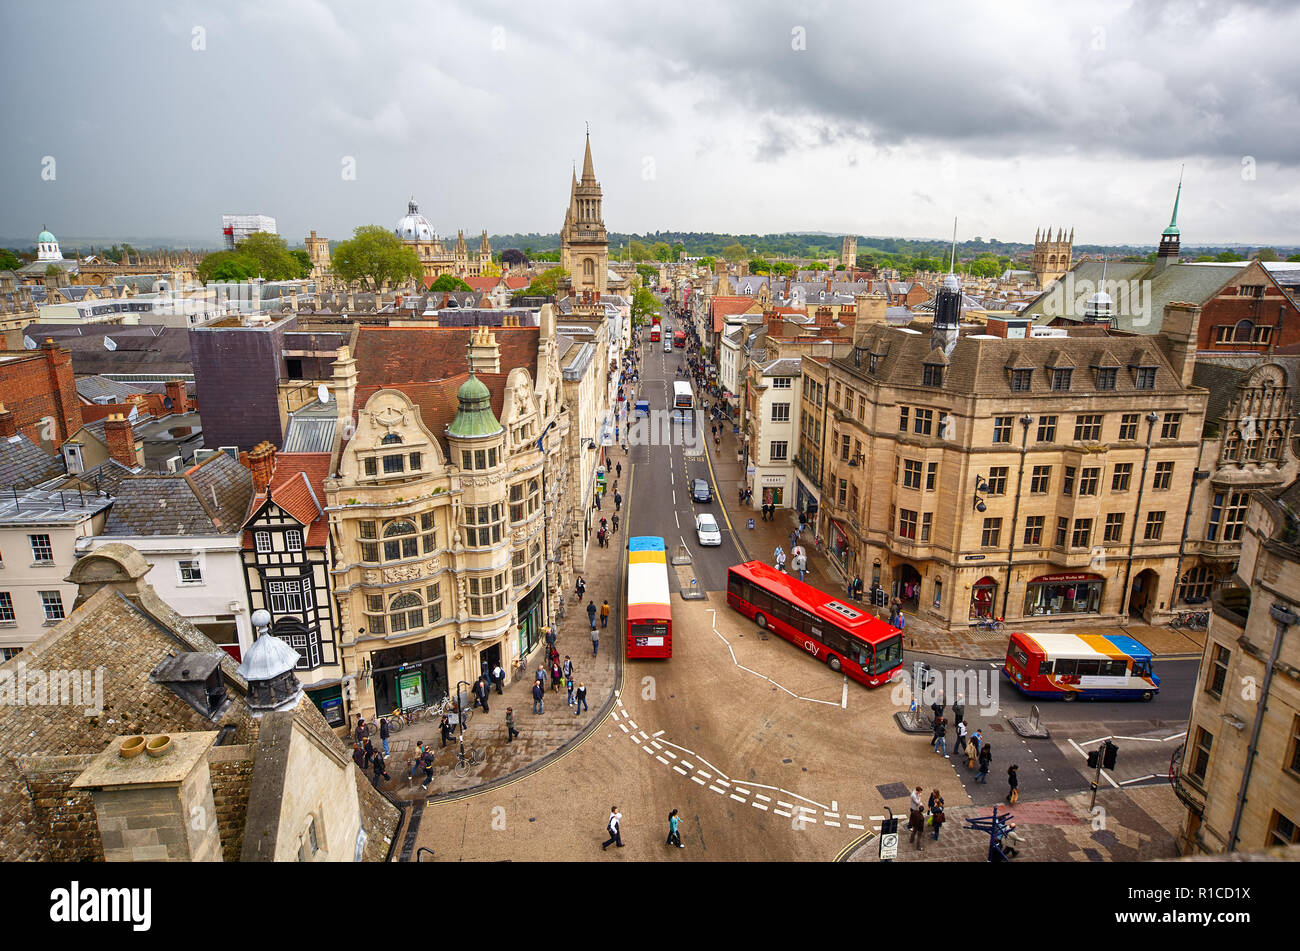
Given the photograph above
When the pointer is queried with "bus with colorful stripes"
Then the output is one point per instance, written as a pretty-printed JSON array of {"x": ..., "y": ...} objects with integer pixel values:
[
  {"x": 649, "y": 614},
  {"x": 1074, "y": 666},
  {"x": 842, "y": 636}
]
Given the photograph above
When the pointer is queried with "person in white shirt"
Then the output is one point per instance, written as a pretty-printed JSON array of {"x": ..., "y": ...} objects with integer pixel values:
[{"x": 615, "y": 835}]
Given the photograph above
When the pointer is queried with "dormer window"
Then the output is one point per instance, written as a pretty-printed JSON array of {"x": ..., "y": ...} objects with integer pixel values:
[
  {"x": 932, "y": 374},
  {"x": 1106, "y": 377},
  {"x": 1144, "y": 378},
  {"x": 1021, "y": 380},
  {"x": 1061, "y": 379}
]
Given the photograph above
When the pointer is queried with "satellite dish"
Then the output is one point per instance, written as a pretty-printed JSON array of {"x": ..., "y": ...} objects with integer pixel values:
[{"x": 323, "y": 393}]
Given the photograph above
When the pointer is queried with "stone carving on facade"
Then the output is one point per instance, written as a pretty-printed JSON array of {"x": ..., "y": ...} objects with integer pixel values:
[
  {"x": 389, "y": 417},
  {"x": 403, "y": 573},
  {"x": 462, "y": 596},
  {"x": 374, "y": 576}
]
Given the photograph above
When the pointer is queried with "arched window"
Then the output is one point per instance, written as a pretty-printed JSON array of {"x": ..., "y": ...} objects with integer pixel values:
[
  {"x": 390, "y": 439},
  {"x": 1196, "y": 585},
  {"x": 1273, "y": 448},
  {"x": 405, "y": 612},
  {"x": 1243, "y": 333},
  {"x": 589, "y": 268},
  {"x": 400, "y": 541}
]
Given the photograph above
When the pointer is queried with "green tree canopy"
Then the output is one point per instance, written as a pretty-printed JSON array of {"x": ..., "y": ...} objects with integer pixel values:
[
  {"x": 271, "y": 256},
  {"x": 227, "y": 266},
  {"x": 649, "y": 275},
  {"x": 546, "y": 283},
  {"x": 708, "y": 262},
  {"x": 9, "y": 261},
  {"x": 783, "y": 268},
  {"x": 1266, "y": 254},
  {"x": 304, "y": 262},
  {"x": 644, "y": 306},
  {"x": 735, "y": 252},
  {"x": 374, "y": 255},
  {"x": 638, "y": 251},
  {"x": 449, "y": 282},
  {"x": 661, "y": 251},
  {"x": 759, "y": 266}
]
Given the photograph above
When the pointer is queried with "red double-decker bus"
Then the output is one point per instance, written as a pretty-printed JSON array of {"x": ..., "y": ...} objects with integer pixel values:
[
  {"x": 845, "y": 638},
  {"x": 654, "y": 331}
]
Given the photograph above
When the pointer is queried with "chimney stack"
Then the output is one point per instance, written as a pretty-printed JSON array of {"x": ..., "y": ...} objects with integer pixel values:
[
  {"x": 121, "y": 440},
  {"x": 1180, "y": 329},
  {"x": 262, "y": 462},
  {"x": 8, "y": 425},
  {"x": 176, "y": 392}
]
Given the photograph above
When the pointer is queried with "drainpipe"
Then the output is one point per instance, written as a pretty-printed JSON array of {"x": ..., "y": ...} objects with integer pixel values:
[
  {"x": 1025, "y": 421},
  {"x": 1285, "y": 618},
  {"x": 1197, "y": 476},
  {"x": 1152, "y": 418}
]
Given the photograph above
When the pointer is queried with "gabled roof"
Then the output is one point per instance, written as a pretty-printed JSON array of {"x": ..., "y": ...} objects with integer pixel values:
[
  {"x": 392, "y": 355},
  {"x": 210, "y": 498},
  {"x": 90, "y": 388},
  {"x": 298, "y": 487}
]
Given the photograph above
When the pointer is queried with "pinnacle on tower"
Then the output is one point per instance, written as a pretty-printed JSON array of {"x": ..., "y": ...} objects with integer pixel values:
[{"x": 588, "y": 171}]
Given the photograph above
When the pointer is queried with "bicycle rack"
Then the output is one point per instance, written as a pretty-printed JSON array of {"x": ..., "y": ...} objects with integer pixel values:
[{"x": 419, "y": 853}]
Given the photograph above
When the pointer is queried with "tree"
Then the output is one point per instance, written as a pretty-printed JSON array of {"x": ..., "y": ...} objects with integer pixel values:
[
  {"x": 783, "y": 268},
  {"x": 638, "y": 251},
  {"x": 490, "y": 270},
  {"x": 1294, "y": 258},
  {"x": 9, "y": 261},
  {"x": 1266, "y": 254},
  {"x": 644, "y": 305},
  {"x": 271, "y": 256},
  {"x": 546, "y": 283},
  {"x": 661, "y": 251},
  {"x": 866, "y": 260},
  {"x": 708, "y": 262},
  {"x": 513, "y": 257},
  {"x": 374, "y": 255},
  {"x": 304, "y": 262},
  {"x": 227, "y": 266},
  {"x": 759, "y": 266},
  {"x": 449, "y": 282},
  {"x": 735, "y": 252},
  {"x": 649, "y": 275}
]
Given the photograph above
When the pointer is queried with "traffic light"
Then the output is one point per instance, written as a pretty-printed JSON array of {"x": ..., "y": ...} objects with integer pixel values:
[
  {"x": 1094, "y": 759},
  {"x": 1111, "y": 751}
]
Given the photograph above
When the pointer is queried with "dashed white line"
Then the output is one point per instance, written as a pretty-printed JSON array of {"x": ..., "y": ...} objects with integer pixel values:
[
  {"x": 781, "y": 812},
  {"x": 743, "y": 791},
  {"x": 762, "y": 797},
  {"x": 759, "y": 805},
  {"x": 854, "y": 825},
  {"x": 632, "y": 724},
  {"x": 717, "y": 790},
  {"x": 623, "y": 727},
  {"x": 829, "y": 823},
  {"x": 648, "y": 750},
  {"x": 678, "y": 769},
  {"x": 662, "y": 760},
  {"x": 698, "y": 780},
  {"x": 737, "y": 798},
  {"x": 706, "y": 775}
]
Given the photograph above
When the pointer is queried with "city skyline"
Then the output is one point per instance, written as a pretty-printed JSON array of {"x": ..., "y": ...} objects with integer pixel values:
[{"x": 1070, "y": 127}]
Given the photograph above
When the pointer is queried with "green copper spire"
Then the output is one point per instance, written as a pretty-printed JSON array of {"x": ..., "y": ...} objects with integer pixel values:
[
  {"x": 1173, "y": 220},
  {"x": 475, "y": 416}
]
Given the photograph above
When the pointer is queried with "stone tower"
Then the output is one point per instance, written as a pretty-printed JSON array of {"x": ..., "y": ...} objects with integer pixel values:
[
  {"x": 584, "y": 245},
  {"x": 1170, "y": 238},
  {"x": 1052, "y": 258},
  {"x": 849, "y": 252},
  {"x": 318, "y": 249}
]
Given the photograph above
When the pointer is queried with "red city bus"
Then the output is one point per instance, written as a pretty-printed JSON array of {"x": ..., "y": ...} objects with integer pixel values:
[
  {"x": 846, "y": 638},
  {"x": 679, "y": 338},
  {"x": 654, "y": 332},
  {"x": 649, "y": 614}
]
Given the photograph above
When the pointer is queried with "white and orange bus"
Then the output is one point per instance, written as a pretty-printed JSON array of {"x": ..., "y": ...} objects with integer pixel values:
[
  {"x": 1073, "y": 666},
  {"x": 649, "y": 623}
]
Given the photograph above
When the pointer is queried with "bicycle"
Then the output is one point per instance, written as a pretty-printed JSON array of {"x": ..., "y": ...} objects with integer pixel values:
[
  {"x": 398, "y": 719},
  {"x": 467, "y": 758},
  {"x": 447, "y": 707},
  {"x": 992, "y": 625}
]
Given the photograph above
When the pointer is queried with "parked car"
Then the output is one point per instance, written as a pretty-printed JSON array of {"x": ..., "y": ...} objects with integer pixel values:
[
  {"x": 700, "y": 491},
  {"x": 706, "y": 529}
]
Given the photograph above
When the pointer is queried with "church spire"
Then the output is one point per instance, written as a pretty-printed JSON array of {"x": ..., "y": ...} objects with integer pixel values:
[
  {"x": 1173, "y": 219},
  {"x": 588, "y": 172}
]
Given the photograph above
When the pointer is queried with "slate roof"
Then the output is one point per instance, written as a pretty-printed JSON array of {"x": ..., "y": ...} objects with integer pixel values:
[
  {"x": 437, "y": 398},
  {"x": 1222, "y": 382},
  {"x": 981, "y": 366},
  {"x": 210, "y": 498},
  {"x": 787, "y": 366},
  {"x": 106, "y": 477},
  {"x": 90, "y": 388},
  {"x": 24, "y": 463},
  {"x": 1195, "y": 283}
]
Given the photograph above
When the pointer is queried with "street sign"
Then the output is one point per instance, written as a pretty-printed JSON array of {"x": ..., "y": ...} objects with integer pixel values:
[
  {"x": 749, "y": 470},
  {"x": 889, "y": 838}
]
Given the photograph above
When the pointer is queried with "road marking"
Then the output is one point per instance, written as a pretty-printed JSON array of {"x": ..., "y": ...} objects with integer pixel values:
[
  {"x": 827, "y": 822},
  {"x": 781, "y": 812},
  {"x": 786, "y": 804},
  {"x": 737, "y": 798},
  {"x": 847, "y": 816},
  {"x": 833, "y": 815},
  {"x": 658, "y": 746},
  {"x": 717, "y": 790},
  {"x": 844, "y": 699},
  {"x": 706, "y": 775},
  {"x": 633, "y": 724},
  {"x": 854, "y": 826},
  {"x": 744, "y": 791},
  {"x": 762, "y": 797},
  {"x": 759, "y": 805},
  {"x": 678, "y": 769},
  {"x": 648, "y": 750},
  {"x": 723, "y": 782},
  {"x": 1141, "y": 780},
  {"x": 687, "y": 765},
  {"x": 623, "y": 727},
  {"x": 642, "y": 734},
  {"x": 698, "y": 780},
  {"x": 662, "y": 760},
  {"x": 670, "y": 753},
  {"x": 657, "y": 734}
]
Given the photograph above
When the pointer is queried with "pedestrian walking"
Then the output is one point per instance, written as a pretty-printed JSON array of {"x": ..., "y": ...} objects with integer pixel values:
[
  {"x": 538, "y": 696},
  {"x": 604, "y": 613},
  {"x": 481, "y": 693},
  {"x": 498, "y": 678},
  {"x": 568, "y": 683},
  {"x": 780, "y": 560},
  {"x": 595, "y": 639},
  {"x": 580, "y": 699},
  {"x": 612, "y": 827},
  {"x": 985, "y": 760},
  {"x": 445, "y": 729},
  {"x": 978, "y": 739},
  {"x": 959, "y": 744},
  {"x": 511, "y": 732},
  {"x": 359, "y": 756},
  {"x": 941, "y": 736},
  {"x": 377, "y": 768},
  {"x": 603, "y": 523},
  {"x": 794, "y": 539},
  {"x": 618, "y": 501},
  {"x": 618, "y": 470},
  {"x": 958, "y": 709},
  {"x": 972, "y": 753},
  {"x": 674, "y": 836},
  {"x": 556, "y": 676},
  {"x": 580, "y": 588},
  {"x": 936, "y": 815},
  {"x": 615, "y": 523},
  {"x": 1012, "y": 841},
  {"x": 916, "y": 820},
  {"x": 598, "y": 501},
  {"x": 362, "y": 731},
  {"x": 419, "y": 755},
  {"x": 567, "y": 667},
  {"x": 383, "y": 733},
  {"x": 551, "y": 636},
  {"x": 591, "y": 612},
  {"x": 369, "y": 749},
  {"x": 1013, "y": 784},
  {"x": 426, "y": 762}
]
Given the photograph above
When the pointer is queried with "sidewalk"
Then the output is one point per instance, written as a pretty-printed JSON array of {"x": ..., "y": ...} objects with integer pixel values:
[{"x": 541, "y": 735}]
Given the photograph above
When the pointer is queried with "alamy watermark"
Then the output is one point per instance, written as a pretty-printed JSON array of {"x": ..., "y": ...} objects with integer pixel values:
[
  {"x": 1069, "y": 296},
  {"x": 23, "y": 686},
  {"x": 974, "y": 689}
]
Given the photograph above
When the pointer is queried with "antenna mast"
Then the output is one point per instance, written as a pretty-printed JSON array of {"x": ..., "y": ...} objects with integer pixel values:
[{"x": 952, "y": 261}]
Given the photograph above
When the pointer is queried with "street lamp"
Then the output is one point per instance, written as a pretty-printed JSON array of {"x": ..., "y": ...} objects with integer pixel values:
[{"x": 980, "y": 486}]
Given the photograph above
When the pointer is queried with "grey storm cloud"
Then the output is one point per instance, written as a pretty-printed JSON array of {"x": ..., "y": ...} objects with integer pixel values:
[{"x": 881, "y": 117}]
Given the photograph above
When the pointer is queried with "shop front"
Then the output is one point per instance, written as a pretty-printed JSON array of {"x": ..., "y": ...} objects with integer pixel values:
[
  {"x": 1065, "y": 593},
  {"x": 840, "y": 548},
  {"x": 773, "y": 490},
  {"x": 529, "y": 619},
  {"x": 983, "y": 597},
  {"x": 805, "y": 500},
  {"x": 410, "y": 677}
]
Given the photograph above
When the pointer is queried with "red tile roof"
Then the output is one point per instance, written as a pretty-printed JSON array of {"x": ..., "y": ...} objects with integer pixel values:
[
  {"x": 517, "y": 283},
  {"x": 387, "y": 356},
  {"x": 437, "y": 399},
  {"x": 298, "y": 487},
  {"x": 482, "y": 284},
  {"x": 727, "y": 305}
]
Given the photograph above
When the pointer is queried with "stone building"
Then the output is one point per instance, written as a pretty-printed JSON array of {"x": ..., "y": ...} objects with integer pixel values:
[
  {"x": 1239, "y": 773},
  {"x": 435, "y": 257},
  {"x": 274, "y": 780},
  {"x": 1042, "y": 477},
  {"x": 318, "y": 250},
  {"x": 849, "y": 251},
  {"x": 584, "y": 244},
  {"x": 1051, "y": 258},
  {"x": 453, "y": 509}
]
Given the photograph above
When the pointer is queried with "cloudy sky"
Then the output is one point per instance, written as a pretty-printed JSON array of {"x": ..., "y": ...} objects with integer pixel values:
[{"x": 753, "y": 116}]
